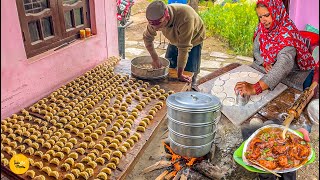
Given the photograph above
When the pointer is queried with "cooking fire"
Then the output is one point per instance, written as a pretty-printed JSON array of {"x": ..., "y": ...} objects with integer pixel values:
[{"x": 183, "y": 168}]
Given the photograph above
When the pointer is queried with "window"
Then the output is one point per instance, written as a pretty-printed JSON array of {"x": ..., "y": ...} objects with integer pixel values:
[{"x": 47, "y": 24}]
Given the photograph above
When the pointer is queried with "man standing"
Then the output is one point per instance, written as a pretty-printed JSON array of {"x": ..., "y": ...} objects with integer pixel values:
[{"x": 184, "y": 29}]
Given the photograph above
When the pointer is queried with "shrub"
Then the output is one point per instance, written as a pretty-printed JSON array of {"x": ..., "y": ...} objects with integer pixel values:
[{"x": 234, "y": 22}]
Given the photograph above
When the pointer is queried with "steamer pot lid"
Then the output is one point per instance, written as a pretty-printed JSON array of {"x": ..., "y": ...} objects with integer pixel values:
[{"x": 193, "y": 101}]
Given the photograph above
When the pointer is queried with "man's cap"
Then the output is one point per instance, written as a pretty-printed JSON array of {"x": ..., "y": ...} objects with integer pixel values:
[{"x": 155, "y": 10}]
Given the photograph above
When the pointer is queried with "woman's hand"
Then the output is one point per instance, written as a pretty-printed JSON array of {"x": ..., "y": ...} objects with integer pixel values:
[
  {"x": 245, "y": 88},
  {"x": 267, "y": 67},
  {"x": 305, "y": 134}
]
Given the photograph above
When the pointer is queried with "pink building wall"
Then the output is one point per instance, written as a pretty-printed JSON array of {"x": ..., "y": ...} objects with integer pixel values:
[
  {"x": 25, "y": 81},
  {"x": 304, "y": 12}
]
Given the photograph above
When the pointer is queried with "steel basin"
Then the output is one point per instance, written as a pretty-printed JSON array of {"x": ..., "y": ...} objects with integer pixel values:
[{"x": 145, "y": 73}]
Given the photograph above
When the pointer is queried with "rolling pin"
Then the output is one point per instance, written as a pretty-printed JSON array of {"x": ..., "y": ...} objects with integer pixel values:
[{"x": 298, "y": 106}]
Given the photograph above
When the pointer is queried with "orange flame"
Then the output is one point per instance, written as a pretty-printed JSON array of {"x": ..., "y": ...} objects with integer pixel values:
[
  {"x": 191, "y": 161},
  {"x": 177, "y": 166},
  {"x": 175, "y": 159}
]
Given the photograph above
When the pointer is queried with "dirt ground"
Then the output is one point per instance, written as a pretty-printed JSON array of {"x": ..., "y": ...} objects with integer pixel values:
[{"x": 155, "y": 151}]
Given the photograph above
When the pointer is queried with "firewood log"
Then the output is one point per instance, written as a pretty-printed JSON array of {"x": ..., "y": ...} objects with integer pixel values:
[
  {"x": 194, "y": 175},
  {"x": 208, "y": 170}
]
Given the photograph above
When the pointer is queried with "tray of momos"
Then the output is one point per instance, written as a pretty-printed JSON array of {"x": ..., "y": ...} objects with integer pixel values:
[{"x": 84, "y": 129}]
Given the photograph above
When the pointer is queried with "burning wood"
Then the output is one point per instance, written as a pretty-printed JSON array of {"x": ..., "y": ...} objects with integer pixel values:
[
  {"x": 184, "y": 168},
  {"x": 157, "y": 165},
  {"x": 208, "y": 169},
  {"x": 170, "y": 175},
  {"x": 175, "y": 157},
  {"x": 162, "y": 175},
  {"x": 178, "y": 175},
  {"x": 194, "y": 175}
]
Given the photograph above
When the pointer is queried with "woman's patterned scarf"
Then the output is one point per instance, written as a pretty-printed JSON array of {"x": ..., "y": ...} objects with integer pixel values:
[{"x": 282, "y": 33}]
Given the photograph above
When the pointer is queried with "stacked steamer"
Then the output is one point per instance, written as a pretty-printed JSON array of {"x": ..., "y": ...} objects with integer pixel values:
[{"x": 192, "y": 122}]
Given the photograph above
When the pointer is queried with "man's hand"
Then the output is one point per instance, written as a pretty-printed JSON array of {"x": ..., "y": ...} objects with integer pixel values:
[
  {"x": 156, "y": 64},
  {"x": 305, "y": 134},
  {"x": 244, "y": 88},
  {"x": 267, "y": 67}
]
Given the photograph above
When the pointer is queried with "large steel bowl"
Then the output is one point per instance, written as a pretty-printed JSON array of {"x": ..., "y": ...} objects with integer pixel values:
[{"x": 145, "y": 73}]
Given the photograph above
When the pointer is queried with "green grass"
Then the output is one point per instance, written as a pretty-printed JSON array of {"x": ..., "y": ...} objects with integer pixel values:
[
  {"x": 165, "y": 1},
  {"x": 235, "y": 23}
]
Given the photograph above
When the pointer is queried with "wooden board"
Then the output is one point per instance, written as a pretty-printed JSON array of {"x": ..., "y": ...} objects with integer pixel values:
[
  {"x": 130, "y": 157},
  {"x": 169, "y": 83},
  {"x": 275, "y": 109},
  {"x": 238, "y": 114}
]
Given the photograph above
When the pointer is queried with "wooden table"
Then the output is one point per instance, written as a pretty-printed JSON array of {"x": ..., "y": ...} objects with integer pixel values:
[
  {"x": 131, "y": 157},
  {"x": 170, "y": 83},
  {"x": 275, "y": 109}
]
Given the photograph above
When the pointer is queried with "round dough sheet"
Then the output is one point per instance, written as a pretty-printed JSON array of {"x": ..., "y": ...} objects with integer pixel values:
[{"x": 224, "y": 87}]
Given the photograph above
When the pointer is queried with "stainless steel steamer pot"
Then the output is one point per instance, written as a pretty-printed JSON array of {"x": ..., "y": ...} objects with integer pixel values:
[
  {"x": 191, "y": 140},
  {"x": 194, "y": 129},
  {"x": 192, "y": 119}
]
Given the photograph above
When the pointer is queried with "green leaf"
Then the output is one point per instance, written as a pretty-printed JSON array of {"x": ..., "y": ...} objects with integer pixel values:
[
  {"x": 266, "y": 150},
  {"x": 270, "y": 159},
  {"x": 303, "y": 142}
]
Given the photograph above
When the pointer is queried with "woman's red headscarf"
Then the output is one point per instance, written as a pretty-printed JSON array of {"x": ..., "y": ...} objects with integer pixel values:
[{"x": 282, "y": 33}]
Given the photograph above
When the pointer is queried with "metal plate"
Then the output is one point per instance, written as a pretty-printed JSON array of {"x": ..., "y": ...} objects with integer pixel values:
[{"x": 245, "y": 147}]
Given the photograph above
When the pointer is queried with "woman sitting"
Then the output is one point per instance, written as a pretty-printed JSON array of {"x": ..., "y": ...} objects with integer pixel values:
[{"x": 279, "y": 51}]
